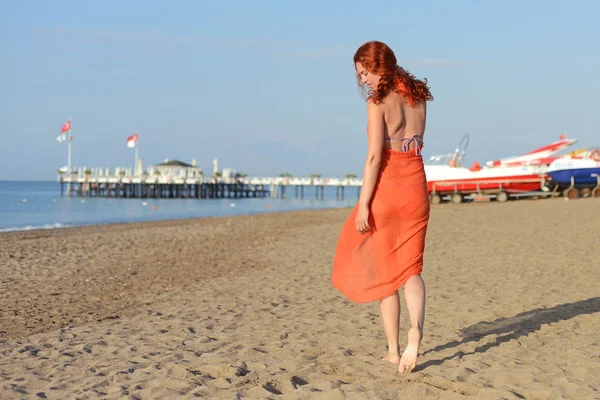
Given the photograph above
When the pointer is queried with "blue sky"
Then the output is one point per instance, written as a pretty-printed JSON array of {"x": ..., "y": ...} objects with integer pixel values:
[{"x": 268, "y": 86}]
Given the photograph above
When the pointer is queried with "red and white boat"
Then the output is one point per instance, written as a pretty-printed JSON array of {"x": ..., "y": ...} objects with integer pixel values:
[
  {"x": 542, "y": 156},
  {"x": 508, "y": 176}
]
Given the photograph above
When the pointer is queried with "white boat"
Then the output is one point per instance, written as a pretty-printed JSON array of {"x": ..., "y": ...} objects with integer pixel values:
[{"x": 509, "y": 176}]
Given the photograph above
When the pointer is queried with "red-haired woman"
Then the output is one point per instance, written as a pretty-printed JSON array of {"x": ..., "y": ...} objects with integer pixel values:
[{"x": 381, "y": 245}]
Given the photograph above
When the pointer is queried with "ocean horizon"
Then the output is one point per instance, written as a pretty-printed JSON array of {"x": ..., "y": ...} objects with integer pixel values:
[{"x": 30, "y": 205}]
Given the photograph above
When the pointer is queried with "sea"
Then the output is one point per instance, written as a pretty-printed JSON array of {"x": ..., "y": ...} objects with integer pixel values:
[{"x": 38, "y": 205}]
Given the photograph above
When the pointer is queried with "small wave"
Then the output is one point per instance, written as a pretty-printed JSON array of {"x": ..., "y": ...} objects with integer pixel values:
[{"x": 35, "y": 227}]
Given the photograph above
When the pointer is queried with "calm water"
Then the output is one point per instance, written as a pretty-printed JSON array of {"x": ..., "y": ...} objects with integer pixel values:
[{"x": 34, "y": 205}]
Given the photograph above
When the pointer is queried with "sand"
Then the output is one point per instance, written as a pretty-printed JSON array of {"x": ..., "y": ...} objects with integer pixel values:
[{"x": 242, "y": 307}]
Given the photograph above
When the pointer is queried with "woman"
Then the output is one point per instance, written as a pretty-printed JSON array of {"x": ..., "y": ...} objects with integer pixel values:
[{"x": 381, "y": 244}]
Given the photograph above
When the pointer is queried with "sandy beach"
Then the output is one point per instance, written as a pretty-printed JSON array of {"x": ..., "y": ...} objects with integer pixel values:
[{"x": 242, "y": 307}]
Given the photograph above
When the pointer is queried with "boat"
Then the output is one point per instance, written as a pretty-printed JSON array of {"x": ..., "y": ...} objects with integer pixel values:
[
  {"x": 541, "y": 156},
  {"x": 509, "y": 177},
  {"x": 579, "y": 175}
]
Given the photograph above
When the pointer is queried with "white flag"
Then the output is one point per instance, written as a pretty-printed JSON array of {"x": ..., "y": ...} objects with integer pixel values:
[{"x": 61, "y": 138}]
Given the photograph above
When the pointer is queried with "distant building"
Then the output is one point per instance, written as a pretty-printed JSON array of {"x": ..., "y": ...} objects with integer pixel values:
[
  {"x": 228, "y": 173},
  {"x": 176, "y": 169}
]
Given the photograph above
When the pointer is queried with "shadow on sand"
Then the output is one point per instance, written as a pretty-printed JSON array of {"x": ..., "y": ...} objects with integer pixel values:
[{"x": 513, "y": 327}]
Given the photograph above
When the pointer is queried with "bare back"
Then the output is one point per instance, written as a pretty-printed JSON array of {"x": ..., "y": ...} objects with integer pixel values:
[{"x": 402, "y": 121}]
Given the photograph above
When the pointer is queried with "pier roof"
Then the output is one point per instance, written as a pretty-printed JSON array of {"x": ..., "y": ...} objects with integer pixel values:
[{"x": 173, "y": 163}]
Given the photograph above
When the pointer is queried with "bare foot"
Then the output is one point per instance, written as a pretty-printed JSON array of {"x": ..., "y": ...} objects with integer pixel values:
[
  {"x": 409, "y": 357},
  {"x": 391, "y": 357}
]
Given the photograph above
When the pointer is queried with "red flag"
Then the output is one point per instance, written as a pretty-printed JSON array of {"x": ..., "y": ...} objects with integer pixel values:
[
  {"x": 131, "y": 140},
  {"x": 66, "y": 127}
]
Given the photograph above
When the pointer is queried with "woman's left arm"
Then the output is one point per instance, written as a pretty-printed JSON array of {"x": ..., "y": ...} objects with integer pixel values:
[{"x": 375, "y": 131}]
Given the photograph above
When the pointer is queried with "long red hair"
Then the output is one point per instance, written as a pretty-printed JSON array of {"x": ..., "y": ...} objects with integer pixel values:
[{"x": 377, "y": 58}]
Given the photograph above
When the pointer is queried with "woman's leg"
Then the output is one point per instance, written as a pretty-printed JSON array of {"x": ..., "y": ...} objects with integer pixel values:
[
  {"x": 390, "y": 314},
  {"x": 414, "y": 293}
]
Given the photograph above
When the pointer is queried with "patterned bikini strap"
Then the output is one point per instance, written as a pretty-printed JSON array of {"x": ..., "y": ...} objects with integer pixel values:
[{"x": 415, "y": 139}]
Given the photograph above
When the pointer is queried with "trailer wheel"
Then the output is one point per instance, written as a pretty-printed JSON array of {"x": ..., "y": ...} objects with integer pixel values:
[
  {"x": 585, "y": 192},
  {"x": 549, "y": 185},
  {"x": 435, "y": 199},
  {"x": 596, "y": 192},
  {"x": 502, "y": 197},
  {"x": 456, "y": 198},
  {"x": 571, "y": 193}
]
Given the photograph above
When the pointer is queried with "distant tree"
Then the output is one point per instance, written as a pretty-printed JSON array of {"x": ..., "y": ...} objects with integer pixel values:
[
  {"x": 285, "y": 175},
  {"x": 218, "y": 174},
  {"x": 350, "y": 176}
]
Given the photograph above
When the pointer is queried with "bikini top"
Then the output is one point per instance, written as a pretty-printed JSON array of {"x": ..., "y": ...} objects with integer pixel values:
[{"x": 417, "y": 139}]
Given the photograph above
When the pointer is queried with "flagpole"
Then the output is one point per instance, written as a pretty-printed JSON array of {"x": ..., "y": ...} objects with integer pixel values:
[
  {"x": 69, "y": 158},
  {"x": 135, "y": 167}
]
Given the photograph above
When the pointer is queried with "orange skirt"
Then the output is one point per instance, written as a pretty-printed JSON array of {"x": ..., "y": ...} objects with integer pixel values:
[{"x": 371, "y": 266}]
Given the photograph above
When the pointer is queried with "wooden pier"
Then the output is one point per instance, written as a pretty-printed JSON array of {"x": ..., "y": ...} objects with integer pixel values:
[{"x": 198, "y": 187}]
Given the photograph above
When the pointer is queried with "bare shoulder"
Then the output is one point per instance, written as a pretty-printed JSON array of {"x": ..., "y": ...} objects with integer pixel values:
[{"x": 375, "y": 109}]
